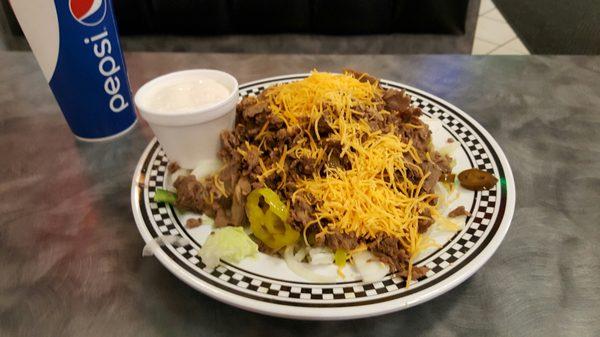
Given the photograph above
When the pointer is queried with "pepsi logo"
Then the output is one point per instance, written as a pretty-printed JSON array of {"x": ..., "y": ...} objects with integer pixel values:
[{"x": 88, "y": 12}]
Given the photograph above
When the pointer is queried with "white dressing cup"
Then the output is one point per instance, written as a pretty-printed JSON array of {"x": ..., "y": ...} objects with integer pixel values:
[{"x": 190, "y": 136}]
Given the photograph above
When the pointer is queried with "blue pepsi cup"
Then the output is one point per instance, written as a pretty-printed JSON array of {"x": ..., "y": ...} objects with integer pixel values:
[{"x": 77, "y": 46}]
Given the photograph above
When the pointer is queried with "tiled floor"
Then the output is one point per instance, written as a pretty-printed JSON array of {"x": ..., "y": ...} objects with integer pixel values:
[{"x": 493, "y": 35}]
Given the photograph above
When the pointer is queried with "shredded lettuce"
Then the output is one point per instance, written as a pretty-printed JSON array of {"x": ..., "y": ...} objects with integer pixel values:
[{"x": 229, "y": 243}]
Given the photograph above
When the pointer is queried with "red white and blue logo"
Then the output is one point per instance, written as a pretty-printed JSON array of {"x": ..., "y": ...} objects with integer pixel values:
[{"x": 88, "y": 12}]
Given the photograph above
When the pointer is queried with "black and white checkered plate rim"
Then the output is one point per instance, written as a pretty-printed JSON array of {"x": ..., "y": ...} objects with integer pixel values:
[{"x": 458, "y": 259}]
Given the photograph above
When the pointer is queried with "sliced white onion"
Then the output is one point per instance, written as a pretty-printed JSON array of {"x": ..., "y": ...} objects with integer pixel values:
[
  {"x": 303, "y": 269},
  {"x": 320, "y": 256},
  {"x": 369, "y": 266},
  {"x": 300, "y": 254},
  {"x": 153, "y": 245}
]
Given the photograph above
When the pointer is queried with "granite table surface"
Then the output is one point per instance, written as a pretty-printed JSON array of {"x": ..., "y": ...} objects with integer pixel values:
[{"x": 70, "y": 253}]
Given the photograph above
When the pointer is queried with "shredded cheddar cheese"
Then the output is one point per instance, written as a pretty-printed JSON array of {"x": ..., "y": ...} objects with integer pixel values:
[
  {"x": 375, "y": 196},
  {"x": 219, "y": 185}
]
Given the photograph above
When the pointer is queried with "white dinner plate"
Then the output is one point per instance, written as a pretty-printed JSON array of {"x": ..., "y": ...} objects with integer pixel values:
[{"x": 265, "y": 284}]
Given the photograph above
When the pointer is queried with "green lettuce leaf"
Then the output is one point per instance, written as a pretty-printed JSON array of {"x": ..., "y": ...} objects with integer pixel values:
[{"x": 228, "y": 243}]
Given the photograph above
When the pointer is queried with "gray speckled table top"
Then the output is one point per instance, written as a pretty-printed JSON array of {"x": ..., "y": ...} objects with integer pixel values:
[{"x": 70, "y": 253}]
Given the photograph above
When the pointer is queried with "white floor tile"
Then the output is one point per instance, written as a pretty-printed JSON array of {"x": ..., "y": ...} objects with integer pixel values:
[
  {"x": 517, "y": 45},
  {"x": 486, "y": 5},
  {"x": 514, "y": 47},
  {"x": 493, "y": 31},
  {"x": 494, "y": 15},
  {"x": 505, "y": 51},
  {"x": 481, "y": 47}
]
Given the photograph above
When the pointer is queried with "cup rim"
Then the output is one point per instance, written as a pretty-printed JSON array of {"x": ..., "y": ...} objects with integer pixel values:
[{"x": 191, "y": 116}]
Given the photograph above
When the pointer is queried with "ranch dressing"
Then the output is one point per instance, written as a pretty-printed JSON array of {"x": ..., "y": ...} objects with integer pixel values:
[{"x": 186, "y": 95}]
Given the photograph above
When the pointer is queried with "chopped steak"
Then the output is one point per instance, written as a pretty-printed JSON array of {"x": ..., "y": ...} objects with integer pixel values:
[
  {"x": 442, "y": 162},
  {"x": 245, "y": 103},
  {"x": 434, "y": 176},
  {"x": 241, "y": 190},
  {"x": 458, "y": 211},
  {"x": 396, "y": 100},
  {"x": 254, "y": 110},
  {"x": 304, "y": 166},
  {"x": 229, "y": 175},
  {"x": 425, "y": 222},
  {"x": 221, "y": 219},
  {"x": 229, "y": 141},
  {"x": 190, "y": 194},
  {"x": 337, "y": 241},
  {"x": 173, "y": 167},
  {"x": 323, "y": 127},
  {"x": 301, "y": 213},
  {"x": 421, "y": 138},
  {"x": 251, "y": 159},
  {"x": 275, "y": 121},
  {"x": 419, "y": 272},
  {"x": 363, "y": 77},
  {"x": 389, "y": 250},
  {"x": 261, "y": 150},
  {"x": 193, "y": 222},
  {"x": 201, "y": 197}
]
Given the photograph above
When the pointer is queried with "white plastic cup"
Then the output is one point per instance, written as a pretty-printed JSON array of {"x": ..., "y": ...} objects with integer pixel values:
[{"x": 190, "y": 138}]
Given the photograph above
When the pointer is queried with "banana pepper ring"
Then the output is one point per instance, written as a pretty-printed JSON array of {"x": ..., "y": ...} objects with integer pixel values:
[{"x": 271, "y": 226}]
